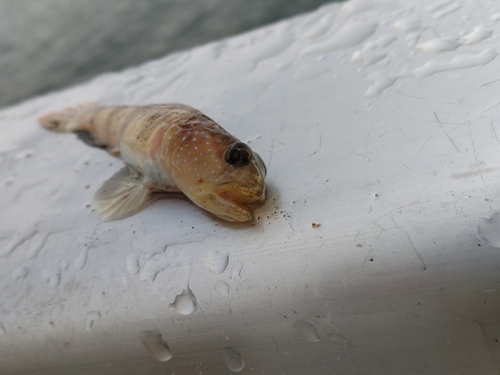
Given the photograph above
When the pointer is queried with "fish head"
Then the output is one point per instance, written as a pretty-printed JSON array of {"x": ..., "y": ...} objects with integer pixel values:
[
  {"x": 219, "y": 173},
  {"x": 240, "y": 188},
  {"x": 236, "y": 189}
]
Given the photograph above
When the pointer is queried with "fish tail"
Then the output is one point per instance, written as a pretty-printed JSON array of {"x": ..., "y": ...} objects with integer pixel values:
[{"x": 68, "y": 119}]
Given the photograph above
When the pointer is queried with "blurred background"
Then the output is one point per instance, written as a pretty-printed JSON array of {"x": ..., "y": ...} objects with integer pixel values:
[{"x": 50, "y": 44}]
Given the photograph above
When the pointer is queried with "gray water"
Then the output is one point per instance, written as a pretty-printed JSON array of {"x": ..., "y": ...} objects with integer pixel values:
[{"x": 50, "y": 44}]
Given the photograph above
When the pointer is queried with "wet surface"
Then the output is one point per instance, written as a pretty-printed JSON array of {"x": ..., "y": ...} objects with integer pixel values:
[{"x": 391, "y": 151}]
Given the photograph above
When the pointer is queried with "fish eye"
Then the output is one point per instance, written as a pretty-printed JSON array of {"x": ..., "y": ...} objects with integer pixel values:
[{"x": 238, "y": 155}]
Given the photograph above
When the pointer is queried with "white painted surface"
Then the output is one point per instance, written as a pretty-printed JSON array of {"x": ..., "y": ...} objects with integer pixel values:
[{"x": 391, "y": 147}]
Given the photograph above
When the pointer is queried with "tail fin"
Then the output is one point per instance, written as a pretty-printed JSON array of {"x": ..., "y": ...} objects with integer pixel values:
[{"x": 61, "y": 121}]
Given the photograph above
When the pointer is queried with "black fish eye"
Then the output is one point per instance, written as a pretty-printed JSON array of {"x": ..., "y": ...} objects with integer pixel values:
[{"x": 238, "y": 155}]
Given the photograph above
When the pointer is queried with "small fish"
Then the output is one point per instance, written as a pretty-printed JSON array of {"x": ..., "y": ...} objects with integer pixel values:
[{"x": 167, "y": 148}]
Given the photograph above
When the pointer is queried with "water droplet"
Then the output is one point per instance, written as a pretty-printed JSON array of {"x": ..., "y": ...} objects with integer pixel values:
[
  {"x": 309, "y": 72},
  {"x": 222, "y": 287},
  {"x": 152, "y": 267},
  {"x": 155, "y": 344},
  {"x": 81, "y": 260},
  {"x": 282, "y": 66},
  {"x": 490, "y": 230},
  {"x": 335, "y": 337},
  {"x": 37, "y": 243},
  {"x": 19, "y": 237},
  {"x": 24, "y": 154},
  {"x": 233, "y": 360},
  {"x": 7, "y": 182},
  {"x": 19, "y": 274},
  {"x": 216, "y": 261},
  {"x": 306, "y": 330},
  {"x": 126, "y": 280},
  {"x": 237, "y": 270},
  {"x": 348, "y": 36},
  {"x": 3, "y": 331},
  {"x": 458, "y": 62},
  {"x": 438, "y": 45},
  {"x": 477, "y": 35},
  {"x": 185, "y": 303},
  {"x": 90, "y": 318},
  {"x": 406, "y": 25},
  {"x": 443, "y": 10},
  {"x": 133, "y": 264},
  {"x": 52, "y": 276}
]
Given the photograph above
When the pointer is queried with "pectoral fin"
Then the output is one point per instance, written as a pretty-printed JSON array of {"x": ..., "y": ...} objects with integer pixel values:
[{"x": 124, "y": 194}]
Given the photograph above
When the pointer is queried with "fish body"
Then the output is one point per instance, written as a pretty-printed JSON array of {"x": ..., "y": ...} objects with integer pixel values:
[{"x": 168, "y": 147}]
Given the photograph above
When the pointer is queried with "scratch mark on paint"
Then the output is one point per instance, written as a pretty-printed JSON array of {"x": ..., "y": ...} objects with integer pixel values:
[
  {"x": 416, "y": 252},
  {"x": 494, "y": 131},
  {"x": 366, "y": 258},
  {"x": 441, "y": 125},
  {"x": 474, "y": 149}
]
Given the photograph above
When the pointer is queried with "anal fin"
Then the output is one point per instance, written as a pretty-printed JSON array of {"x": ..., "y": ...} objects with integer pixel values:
[{"x": 123, "y": 195}]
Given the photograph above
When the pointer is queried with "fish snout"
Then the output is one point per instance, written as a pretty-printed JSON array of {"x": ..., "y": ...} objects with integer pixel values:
[
  {"x": 238, "y": 204},
  {"x": 243, "y": 194},
  {"x": 256, "y": 197}
]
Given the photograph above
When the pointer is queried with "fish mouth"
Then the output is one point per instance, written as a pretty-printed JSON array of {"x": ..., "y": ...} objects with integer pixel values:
[
  {"x": 238, "y": 204},
  {"x": 231, "y": 203},
  {"x": 229, "y": 211},
  {"x": 233, "y": 199},
  {"x": 237, "y": 193}
]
